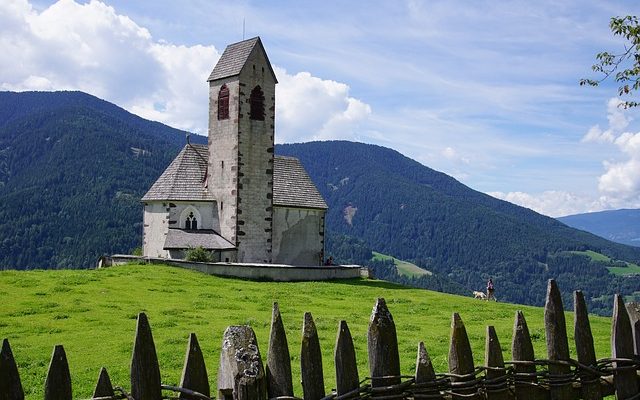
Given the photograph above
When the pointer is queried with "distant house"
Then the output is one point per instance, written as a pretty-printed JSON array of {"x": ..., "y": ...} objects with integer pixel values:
[{"x": 234, "y": 197}]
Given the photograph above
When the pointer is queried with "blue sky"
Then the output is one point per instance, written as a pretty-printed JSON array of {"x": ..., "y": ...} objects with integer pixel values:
[{"x": 486, "y": 91}]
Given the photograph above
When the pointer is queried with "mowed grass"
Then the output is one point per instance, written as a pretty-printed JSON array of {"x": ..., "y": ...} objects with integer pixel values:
[
  {"x": 93, "y": 314},
  {"x": 629, "y": 269},
  {"x": 404, "y": 268}
]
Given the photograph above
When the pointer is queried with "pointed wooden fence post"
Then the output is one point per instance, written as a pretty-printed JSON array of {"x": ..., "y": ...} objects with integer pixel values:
[
  {"x": 241, "y": 374},
  {"x": 522, "y": 350},
  {"x": 194, "y": 372},
  {"x": 461, "y": 359},
  {"x": 589, "y": 383},
  {"x": 279, "y": 381},
  {"x": 10, "y": 385},
  {"x": 103, "y": 387},
  {"x": 344, "y": 355},
  {"x": 58, "y": 383},
  {"x": 311, "y": 361},
  {"x": 560, "y": 376},
  {"x": 624, "y": 380},
  {"x": 496, "y": 375},
  {"x": 145, "y": 371},
  {"x": 425, "y": 375},
  {"x": 633, "y": 309},
  {"x": 384, "y": 359}
]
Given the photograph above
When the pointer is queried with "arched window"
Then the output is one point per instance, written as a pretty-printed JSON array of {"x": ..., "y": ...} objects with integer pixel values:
[
  {"x": 257, "y": 104},
  {"x": 191, "y": 222},
  {"x": 223, "y": 102}
]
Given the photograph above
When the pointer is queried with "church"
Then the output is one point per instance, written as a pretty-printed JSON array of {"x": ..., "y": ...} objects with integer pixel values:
[{"x": 233, "y": 196}]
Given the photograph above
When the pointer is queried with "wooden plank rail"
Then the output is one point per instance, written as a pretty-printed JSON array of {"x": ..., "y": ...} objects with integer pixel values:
[{"x": 242, "y": 376}]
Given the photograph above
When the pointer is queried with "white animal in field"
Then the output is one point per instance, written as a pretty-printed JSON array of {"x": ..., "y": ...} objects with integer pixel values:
[{"x": 479, "y": 295}]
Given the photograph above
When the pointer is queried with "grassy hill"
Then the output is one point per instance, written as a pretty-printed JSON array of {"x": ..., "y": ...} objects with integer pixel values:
[{"x": 92, "y": 312}]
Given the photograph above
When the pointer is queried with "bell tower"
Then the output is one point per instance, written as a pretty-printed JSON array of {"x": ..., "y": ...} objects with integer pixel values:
[{"x": 241, "y": 143}]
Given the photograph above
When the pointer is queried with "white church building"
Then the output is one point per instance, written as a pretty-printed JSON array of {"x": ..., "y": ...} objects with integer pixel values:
[{"x": 234, "y": 197}]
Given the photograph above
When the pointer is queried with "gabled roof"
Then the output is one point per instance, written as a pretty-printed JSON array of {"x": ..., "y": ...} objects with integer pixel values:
[
  {"x": 292, "y": 186},
  {"x": 208, "y": 239},
  {"x": 235, "y": 57},
  {"x": 184, "y": 178}
]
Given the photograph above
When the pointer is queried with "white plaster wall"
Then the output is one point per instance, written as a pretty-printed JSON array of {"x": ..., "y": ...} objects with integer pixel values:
[
  {"x": 206, "y": 213},
  {"x": 298, "y": 236},
  {"x": 160, "y": 216},
  {"x": 156, "y": 225}
]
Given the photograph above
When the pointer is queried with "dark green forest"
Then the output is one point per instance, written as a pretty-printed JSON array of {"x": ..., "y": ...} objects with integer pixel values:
[
  {"x": 404, "y": 209},
  {"x": 73, "y": 168},
  {"x": 72, "y": 171}
]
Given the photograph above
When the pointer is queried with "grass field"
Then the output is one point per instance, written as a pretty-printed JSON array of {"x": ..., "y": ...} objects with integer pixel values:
[
  {"x": 93, "y": 313},
  {"x": 404, "y": 268},
  {"x": 630, "y": 269}
]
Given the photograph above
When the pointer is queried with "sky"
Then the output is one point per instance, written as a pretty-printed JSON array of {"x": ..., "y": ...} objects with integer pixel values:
[{"x": 485, "y": 91}]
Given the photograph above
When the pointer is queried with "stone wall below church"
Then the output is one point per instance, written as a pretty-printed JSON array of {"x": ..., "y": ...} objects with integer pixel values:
[{"x": 298, "y": 236}]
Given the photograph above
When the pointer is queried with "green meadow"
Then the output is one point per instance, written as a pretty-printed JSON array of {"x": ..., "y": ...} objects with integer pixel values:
[
  {"x": 617, "y": 268},
  {"x": 404, "y": 267},
  {"x": 93, "y": 314}
]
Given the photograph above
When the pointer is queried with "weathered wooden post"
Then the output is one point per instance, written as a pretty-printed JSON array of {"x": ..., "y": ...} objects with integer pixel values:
[
  {"x": 10, "y": 385},
  {"x": 58, "y": 383},
  {"x": 384, "y": 359},
  {"x": 522, "y": 350},
  {"x": 194, "y": 373},
  {"x": 633, "y": 309},
  {"x": 241, "y": 374},
  {"x": 344, "y": 355},
  {"x": 461, "y": 359},
  {"x": 624, "y": 379},
  {"x": 103, "y": 387},
  {"x": 425, "y": 375},
  {"x": 560, "y": 376},
  {"x": 311, "y": 361},
  {"x": 496, "y": 375},
  {"x": 279, "y": 381},
  {"x": 589, "y": 383},
  {"x": 145, "y": 371}
]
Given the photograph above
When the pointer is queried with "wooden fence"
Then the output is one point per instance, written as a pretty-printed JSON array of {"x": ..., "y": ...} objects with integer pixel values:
[{"x": 242, "y": 376}]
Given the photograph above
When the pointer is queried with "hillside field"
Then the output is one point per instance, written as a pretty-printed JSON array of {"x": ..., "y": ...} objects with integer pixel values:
[{"x": 93, "y": 314}]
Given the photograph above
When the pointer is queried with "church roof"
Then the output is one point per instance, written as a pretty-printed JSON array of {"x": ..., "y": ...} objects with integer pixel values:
[
  {"x": 208, "y": 239},
  {"x": 292, "y": 186},
  {"x": 184, "y": 178},
  {"x": 235, "y": 57}
]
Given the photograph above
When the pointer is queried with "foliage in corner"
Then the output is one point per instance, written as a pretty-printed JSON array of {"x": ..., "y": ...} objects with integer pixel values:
[
  {"x": 198, "y": 254},
  {"x": 625, "y": 65}
]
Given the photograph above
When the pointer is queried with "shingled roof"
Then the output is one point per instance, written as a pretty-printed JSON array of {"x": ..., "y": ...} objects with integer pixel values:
[
  {"x": 235, "y": 57},
  {"x": 292, "y": 186},
  {"x": 184, "y": 178},
  {"x": 207, "y": 239}
]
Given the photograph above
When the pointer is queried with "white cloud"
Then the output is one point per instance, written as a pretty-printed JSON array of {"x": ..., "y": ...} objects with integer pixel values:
[
  {"x": 310, "y": 108},
  {"x": 93, "y": 48},
  {"x": 619, "y": 185},
  {"x": 553, "y": 203},
  {"x": 90, "y": 47}
]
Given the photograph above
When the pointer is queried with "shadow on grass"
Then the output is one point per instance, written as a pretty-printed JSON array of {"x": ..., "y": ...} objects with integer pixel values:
[{"x": 370, "y": 283}]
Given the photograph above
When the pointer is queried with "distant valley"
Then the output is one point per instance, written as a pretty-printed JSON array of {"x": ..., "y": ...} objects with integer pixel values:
[{"x": 622, "y": 226}]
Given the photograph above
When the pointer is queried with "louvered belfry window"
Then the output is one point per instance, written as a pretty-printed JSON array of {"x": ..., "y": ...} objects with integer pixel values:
[
  {"x": 257, "y": 104},
  {"x": 223, "y": 103}
]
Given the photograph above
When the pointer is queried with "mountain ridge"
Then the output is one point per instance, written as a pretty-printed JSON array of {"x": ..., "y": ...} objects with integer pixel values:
[
  {"x": 73, "y": 169},
  {"x": 622, "y": 225}
]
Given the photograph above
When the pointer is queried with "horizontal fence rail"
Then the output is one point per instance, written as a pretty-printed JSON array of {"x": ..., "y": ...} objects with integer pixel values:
[{"x": 242, "y": 375}]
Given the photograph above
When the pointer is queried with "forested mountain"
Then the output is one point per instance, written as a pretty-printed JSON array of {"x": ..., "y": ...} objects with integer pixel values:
[
  {"x": 399, "y": 207},
  {"x": 73, "y": 168},
  {"x": 622, "y": 226},
  {"x": 72, "y": 171}
]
